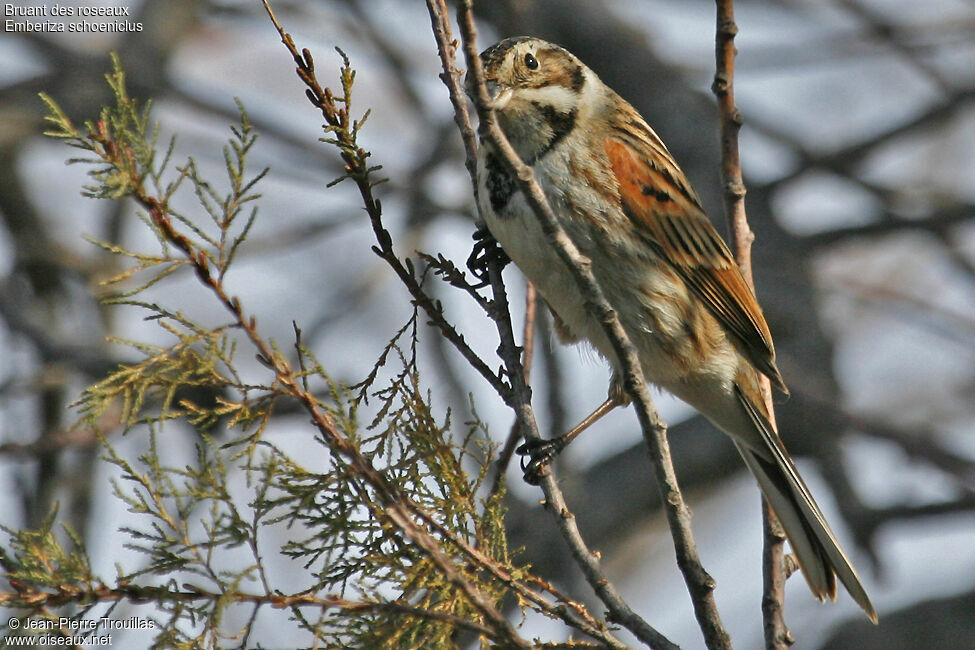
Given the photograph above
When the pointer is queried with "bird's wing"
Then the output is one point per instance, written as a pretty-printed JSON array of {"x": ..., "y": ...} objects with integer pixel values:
[{"x": 668, "y": 216}]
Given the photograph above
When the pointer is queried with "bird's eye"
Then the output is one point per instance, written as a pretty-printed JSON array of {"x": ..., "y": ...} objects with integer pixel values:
[{"x": 531, "y": 62}]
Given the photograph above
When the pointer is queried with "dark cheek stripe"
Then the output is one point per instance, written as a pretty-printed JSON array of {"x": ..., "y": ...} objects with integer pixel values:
[
  {"x": 561, "y": 125},
  {"x": 578, "y": 79}
]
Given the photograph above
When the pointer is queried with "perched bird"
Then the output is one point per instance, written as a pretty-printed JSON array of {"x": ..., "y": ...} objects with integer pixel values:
[{"x": 696, "y": 324}]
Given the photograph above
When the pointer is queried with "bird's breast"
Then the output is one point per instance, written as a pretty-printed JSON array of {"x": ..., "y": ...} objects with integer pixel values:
[{"x": 674, "y": 334}]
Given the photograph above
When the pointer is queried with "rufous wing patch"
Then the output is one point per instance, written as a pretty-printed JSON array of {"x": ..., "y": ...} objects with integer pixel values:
[{"x": 667, "y": 215}]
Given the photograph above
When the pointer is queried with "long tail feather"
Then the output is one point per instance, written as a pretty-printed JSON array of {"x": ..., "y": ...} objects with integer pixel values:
[{"x": 820, "y": 556}]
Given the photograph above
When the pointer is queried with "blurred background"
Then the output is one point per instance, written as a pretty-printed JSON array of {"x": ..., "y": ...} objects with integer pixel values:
[{"x": 859, "y": 155}]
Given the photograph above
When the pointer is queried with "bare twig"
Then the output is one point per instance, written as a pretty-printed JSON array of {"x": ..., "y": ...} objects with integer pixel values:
[
  {"x": 774, "y": 574},
  {"x": 699, "y": 583},
  {"x": 404, "y": 513},
  {"x": 323, "y": 100},
  {"x": 528, "y": 332},
  {"x": 777, "y": 635},
  {"x": 520, "y": 393},
  {"x": 528, "y": 337},
  {"x": 447, "y": 47}
]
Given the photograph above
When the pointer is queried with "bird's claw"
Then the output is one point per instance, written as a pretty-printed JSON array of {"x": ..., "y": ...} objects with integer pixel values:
[
  {"x": 537, "y": 455},
  {"x": 485, "y": 249}
]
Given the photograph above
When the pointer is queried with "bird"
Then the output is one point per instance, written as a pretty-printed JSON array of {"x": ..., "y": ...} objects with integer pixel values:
[{"x": 695, "y": 323}]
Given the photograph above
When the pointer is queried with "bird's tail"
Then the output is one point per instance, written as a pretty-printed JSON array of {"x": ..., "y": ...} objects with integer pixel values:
[{"x": 819, "y": 554}]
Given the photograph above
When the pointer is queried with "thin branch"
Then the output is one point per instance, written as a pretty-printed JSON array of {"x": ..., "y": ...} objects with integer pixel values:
[
  {"x": 528, "y": 337},
  {"x": 777, "y": 635},
  {"x": 404, "y": 516},
  {"x": 587, "y": 560},
  {"x": 520, "y": 393},
  {"x": 505, "y": 455},
  {"x": 447, "y": 47},
  {"x": 775, "y": 571},
  {"x": 528, "y": 331},
  {"x": 70, "y": 594},
  {"x": 354, "y": 158},
  {"x": 700, "y": 585}
]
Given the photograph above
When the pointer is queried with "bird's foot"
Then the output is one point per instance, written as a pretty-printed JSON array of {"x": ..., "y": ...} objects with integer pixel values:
[
  {"x": 537, "y": 455},
  {"x": 485, "y": 250}
]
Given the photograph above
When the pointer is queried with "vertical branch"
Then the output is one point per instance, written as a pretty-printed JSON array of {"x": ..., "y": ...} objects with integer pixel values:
[
  {"x": 731, "y": 121},
  {"x": 699, "y": 584},
  {"x": 519, "y": 396},
  {"x": 447, "y": 47},
  {"x": 774, "y": 574},
  {"x": 528, "y": 345},
  {"x": 528, "y": 335}
]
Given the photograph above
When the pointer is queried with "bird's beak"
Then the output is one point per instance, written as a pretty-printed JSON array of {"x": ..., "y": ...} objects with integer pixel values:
[{"x": 499, "y": 94}]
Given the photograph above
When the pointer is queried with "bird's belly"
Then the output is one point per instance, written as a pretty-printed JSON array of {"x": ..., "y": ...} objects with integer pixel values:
[
  {"x": 700, "y": 373},
  {"x": 653, "y": 327},
  {"x": 523, "y": 241}
]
